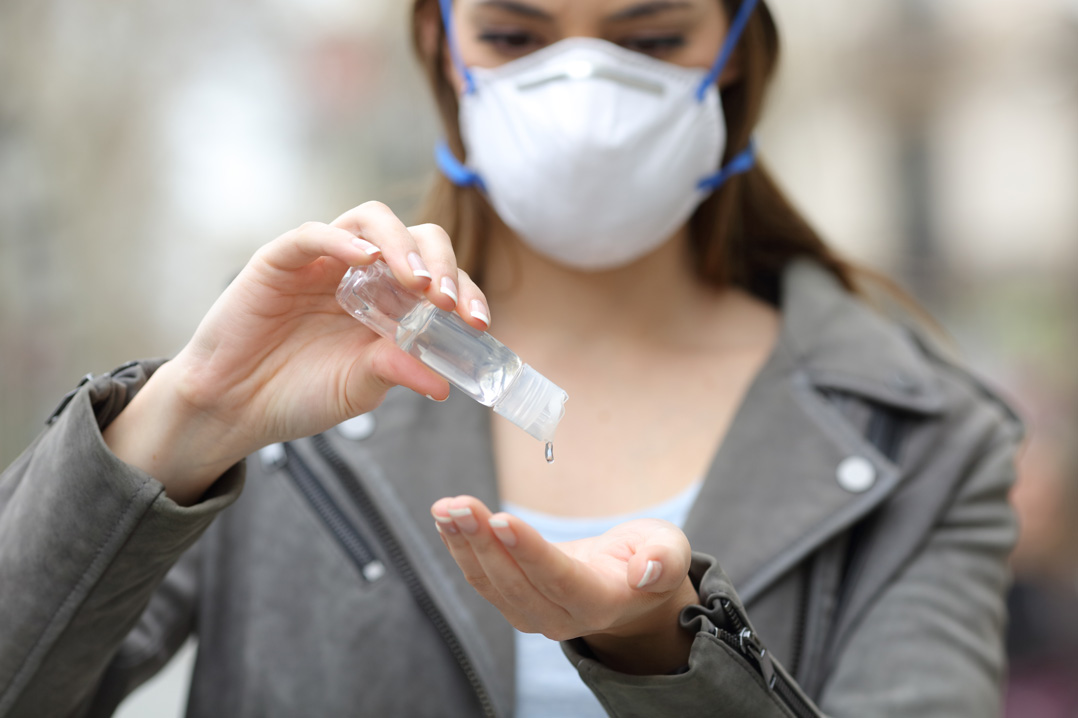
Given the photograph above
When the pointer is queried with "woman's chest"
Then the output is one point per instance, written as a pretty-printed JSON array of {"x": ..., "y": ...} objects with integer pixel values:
[{"x": 627, "y": 441}]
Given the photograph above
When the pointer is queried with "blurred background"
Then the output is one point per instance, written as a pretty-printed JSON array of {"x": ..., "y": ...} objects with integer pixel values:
[{"x": 148, "y": 148}]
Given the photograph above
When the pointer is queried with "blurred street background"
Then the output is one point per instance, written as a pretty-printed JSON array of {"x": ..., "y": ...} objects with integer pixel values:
[{"x": 148, "y": 148}]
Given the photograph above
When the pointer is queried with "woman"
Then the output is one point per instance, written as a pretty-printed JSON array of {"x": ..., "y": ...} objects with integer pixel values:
[{"x": 600, "y": 185}]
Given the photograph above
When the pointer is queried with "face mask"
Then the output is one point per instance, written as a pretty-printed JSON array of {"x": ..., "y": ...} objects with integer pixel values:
[{"x": 593, "y": 154}]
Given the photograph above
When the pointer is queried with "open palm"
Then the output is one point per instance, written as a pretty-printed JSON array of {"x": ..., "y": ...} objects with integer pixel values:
[{"x": 617, "y": 584}]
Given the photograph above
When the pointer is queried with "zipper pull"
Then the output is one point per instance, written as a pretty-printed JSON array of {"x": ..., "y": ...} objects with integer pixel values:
[
  {"x": 748, "y": 642},
  {"x": 752, "y": 648}
]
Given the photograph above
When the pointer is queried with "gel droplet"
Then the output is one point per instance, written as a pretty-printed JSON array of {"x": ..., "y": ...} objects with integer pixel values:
[{"x": 550, "y": 452}]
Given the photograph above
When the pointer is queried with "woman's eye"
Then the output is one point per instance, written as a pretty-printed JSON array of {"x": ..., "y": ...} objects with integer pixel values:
[
  {"x": 654, "y": 45},
  {"x": 512, "y": 42}
]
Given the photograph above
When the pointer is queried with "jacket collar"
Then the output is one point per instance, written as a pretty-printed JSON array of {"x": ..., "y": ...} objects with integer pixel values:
[{"x": 842, "y": 343}]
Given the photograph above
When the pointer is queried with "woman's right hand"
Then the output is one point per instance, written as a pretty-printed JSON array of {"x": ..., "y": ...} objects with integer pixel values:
[{"x": 276, "y": 358}]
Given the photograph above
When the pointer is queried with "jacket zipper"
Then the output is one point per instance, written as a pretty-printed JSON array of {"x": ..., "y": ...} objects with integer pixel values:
[
  {"x": 370, "y": 568},
  {"x": 743, "y": 640},
  {"x": 404, "y": 568},
  {"x": 802, "y": 619}
]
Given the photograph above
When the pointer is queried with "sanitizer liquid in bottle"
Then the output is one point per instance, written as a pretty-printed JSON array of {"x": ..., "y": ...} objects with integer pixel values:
[{"x": 471, "y": 360}]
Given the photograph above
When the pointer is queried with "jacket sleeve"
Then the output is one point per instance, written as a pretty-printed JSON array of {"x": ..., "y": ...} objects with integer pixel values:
[
  {"x": 85, "y": 544},
  {"x": 730, "y": 673},
  {"x": 929, "y": 646}
]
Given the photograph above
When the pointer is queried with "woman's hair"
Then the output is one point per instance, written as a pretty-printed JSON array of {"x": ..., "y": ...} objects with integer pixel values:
[{"x": 742, "y": 235}]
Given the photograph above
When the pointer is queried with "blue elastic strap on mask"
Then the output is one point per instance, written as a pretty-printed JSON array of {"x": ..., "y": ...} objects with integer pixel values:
[
  {"x": 744, "y": 160},
  {"x": 454, "y": 51},
  {"x": 741, "y": 163},
  {"x": 737, "y": 29},
  {"x": 454, "y": 169}
]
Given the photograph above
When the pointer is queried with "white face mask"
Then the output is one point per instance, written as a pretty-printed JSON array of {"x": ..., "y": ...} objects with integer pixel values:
[{"x": 593, "y": 154}]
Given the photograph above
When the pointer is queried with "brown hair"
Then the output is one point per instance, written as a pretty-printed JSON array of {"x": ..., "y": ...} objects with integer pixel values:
[{"x": 743, "y": 235}]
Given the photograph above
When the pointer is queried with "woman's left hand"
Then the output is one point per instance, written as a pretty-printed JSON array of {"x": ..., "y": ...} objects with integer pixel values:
[{"x": 621, "y": 591}]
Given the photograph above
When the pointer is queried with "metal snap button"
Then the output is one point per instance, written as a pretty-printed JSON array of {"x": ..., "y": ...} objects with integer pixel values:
[
  {"x": 357, "y": 428},
  {"x": 856, "y": 474}
]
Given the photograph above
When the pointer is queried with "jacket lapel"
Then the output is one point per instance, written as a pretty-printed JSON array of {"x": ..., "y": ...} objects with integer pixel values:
[{"x": 773, "y": 495}]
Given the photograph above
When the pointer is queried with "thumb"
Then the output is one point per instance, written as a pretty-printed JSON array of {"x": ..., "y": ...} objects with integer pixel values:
[
  {"x": 387, "y": 366},
  {"x": 661, "y": 562}
]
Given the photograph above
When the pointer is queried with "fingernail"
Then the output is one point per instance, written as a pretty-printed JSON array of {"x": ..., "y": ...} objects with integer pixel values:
[
  {"x": 501, "y": 529},
  {"x": 465, "y": 520},
  {"x": 449, "y": 288},
  {"x": 437, "y": 400},
  {"x": 479, "y": 312},
  {"x": 445, "y": 524},
  {"x": 651, "y": 574},
  {"x": 366, "y": 246},
  {"x": 416, "y": 263}
]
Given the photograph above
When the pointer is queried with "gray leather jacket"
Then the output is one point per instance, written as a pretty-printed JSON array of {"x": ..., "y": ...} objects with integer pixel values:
[{"x": 858, "y": 505}]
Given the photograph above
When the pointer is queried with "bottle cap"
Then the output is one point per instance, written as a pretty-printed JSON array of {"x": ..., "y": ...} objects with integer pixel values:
[{"x": 534, "y": 403}]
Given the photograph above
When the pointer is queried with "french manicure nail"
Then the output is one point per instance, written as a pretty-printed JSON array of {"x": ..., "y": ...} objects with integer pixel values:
[
  {"x": 419, "y": 269},
  {"x": 449, "y": 288},
  {"x": 445, "y": 524},
  {"x": 651, "y": 574},
  {"x": 370, "y": 249},
  {"x": 479, "y": 312},
  {"x": 501, "y": 529},
  {"x": 465, "y": 520},
  {"x": 436, "y": 400}
]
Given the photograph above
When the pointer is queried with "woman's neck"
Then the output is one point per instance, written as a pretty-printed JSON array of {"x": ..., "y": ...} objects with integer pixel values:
[
  {"x": 655, "y": 363},
  {"x": 657, "y": 300}
]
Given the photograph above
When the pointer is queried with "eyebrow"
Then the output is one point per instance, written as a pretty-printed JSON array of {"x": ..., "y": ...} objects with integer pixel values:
[
  {"x": 645, "y": 9},
  {"x": 517, "y": 8}
]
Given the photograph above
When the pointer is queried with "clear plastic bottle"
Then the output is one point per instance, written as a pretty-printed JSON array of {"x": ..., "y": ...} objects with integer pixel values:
[{"x": 471, "y": 360}]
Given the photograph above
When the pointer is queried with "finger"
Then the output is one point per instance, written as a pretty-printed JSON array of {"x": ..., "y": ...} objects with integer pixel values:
[
  {"x": 548, "y": 568},
  {"x": 437, "y": 252},
  {"x": 375, "y": 223},
  {"x": 473, "y": 306},
  {"x": 296, "y": 249},
  {"x": 490, "y": 569},
  {"x": 661, "y": 562},
  {"x": 440, "y": 511},
  {"x": 384, "y": 365},
  {"x": 449, "y": 519}
]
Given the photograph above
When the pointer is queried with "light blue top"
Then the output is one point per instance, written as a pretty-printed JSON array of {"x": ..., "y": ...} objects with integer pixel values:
[{"x": 547, "y": 685}]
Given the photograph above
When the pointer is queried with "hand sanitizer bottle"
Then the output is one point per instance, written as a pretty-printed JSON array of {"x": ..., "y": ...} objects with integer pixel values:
[{"x": 471, "y": 360}]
